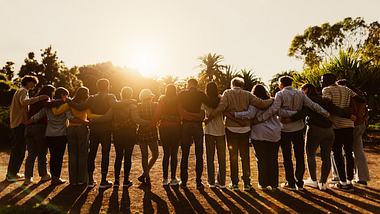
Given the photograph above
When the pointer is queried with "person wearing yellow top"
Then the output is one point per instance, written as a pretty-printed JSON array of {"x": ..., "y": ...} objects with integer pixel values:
[{"x": 78, "y": 138}]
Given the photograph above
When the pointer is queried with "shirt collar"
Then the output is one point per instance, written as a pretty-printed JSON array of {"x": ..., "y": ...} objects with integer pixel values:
[{"x": 236, "y": 88}]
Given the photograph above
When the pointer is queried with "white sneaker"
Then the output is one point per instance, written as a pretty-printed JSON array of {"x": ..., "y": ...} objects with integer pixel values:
[
  {"x": 46, "y": 177},
  {"x": 212, "y": 186},
  {"x": 18, "y": 177},
  {"x": 165, "y": 182},
  {"x": 174, "y": 182},
  {"x": 220, "y": 186},
  {"x": 322, "y": 186},
  {"x": 310, "y": 183},
  {"x": 334, "y": 181}
]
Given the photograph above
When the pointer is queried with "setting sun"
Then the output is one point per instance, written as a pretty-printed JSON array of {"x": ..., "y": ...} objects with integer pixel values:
[{"x": 145, "y": 62}]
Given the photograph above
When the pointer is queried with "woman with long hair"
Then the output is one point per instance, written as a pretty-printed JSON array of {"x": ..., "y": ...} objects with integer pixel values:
[
  {"x": 265, "y": 138},
  {"x": 215, "y": 139},
  {"x": 35, "y": 139},
  {"x": 168, "y": 118}
]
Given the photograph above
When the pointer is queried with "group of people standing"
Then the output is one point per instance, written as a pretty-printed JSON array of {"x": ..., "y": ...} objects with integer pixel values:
[{"x": 335, "y": 120}]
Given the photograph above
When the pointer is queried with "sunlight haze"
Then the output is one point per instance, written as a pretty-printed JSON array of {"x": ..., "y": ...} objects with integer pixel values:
[{"x": 166, "y": 37}]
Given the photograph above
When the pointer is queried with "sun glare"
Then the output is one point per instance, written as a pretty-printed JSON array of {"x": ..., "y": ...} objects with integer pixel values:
[{"x": 145, "y": 62}]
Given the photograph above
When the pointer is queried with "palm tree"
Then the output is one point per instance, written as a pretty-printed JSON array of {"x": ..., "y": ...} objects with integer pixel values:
[
  {"x": 250, "y": 78},
  {"x": 168, "y": 79},
  {"x": 211, "y": 68},
  {"x": 227, "y": 75}
]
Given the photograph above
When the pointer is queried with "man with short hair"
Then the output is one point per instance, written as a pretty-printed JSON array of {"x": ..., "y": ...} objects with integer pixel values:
[
  {"x": 191, "y": 101},
  {"x": 238, "y": 131},
  {"x": 100, "y": 133},
  {"x": 343, "y": 128},
  {"x": 18, "y": 116},
  {"x": 292, "y": 99}
]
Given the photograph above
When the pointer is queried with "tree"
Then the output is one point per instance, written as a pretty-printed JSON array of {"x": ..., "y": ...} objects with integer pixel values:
[
  {"x": 319, "y": 43},
  {"x": 250, "y": 79},
  {"x": 227, "y": 75},
  {"x": 211, "y": 68},
  {"x": 51, "y": 70},
  {"x": 8, "y": 70}
]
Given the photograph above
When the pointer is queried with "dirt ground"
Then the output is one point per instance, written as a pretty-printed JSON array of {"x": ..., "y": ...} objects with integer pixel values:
[{"x": 43, "y": 198}]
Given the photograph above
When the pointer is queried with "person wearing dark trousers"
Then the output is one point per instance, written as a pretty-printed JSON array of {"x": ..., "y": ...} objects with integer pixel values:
[
  {"x": 191, "y": 101},
  {"x": 343, "y": 128},
  {"x": 100, "y": 133},
  {"x": 124, "y": 117},
  {"x": 36, "y": 140},
  {"x": 238, "y": 131},
  {"x": 319, "y": 133},
  {"x": 215, "y": 139},
  {"x": 291, "y": 99},
  {"x": 168, "y": 118},
  {"x": 265, "y": 138},
  {"x": 56, "y": 134},
  {"x": 18, "y": 116}
]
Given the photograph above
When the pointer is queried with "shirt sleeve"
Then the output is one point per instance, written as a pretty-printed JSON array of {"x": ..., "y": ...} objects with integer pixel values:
[
  {"x": 25, "y": 100},
  {"x": 41, "y": 114},
  {"x": 69, "y": 115},
  {"x": 223, "y": 103},
  {"x": 314, "y": 106},
  {"x": 326, "y": 93},
  {"x": 136, "y": 116},
  {"x": 249, "y": 114},
  {"x": 260, "y": 103},
  {"x": 276, "y": 105},
  {"x": 61, "y": 109}
]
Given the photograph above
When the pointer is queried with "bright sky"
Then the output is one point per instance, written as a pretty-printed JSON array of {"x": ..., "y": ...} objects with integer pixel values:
[{"x": 162, "y": 37}]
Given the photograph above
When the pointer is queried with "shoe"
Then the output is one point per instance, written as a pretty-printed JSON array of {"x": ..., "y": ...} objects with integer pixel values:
[
  {"x": 234, "y": 187},
  {"x": 17, "y": 177},
  {"x": 116, "y": 183},
  {"x": 344, "y": 187},
  {"x": 183, "y": 185},
  {"x": 28, "y": 181},
  {"x": 141, "y": 178},
  {"x": 364, "y": 183},
  {"x": 310, "y": 183},
  {"x": 165, "y": 182},
  {"x": 322, "y": 186},
  {"x": 247, "y": 187},
  {"x": 200, "y": 185},
  {"x": 174, "y": 182},
  {"x": 57, "y": 181},
  {"x": 211, "y": 186},
  {"x": 46, "y": 177},
  {"x": 105, "y": 184},
  {"x": 220, "y": 185},
  {"x": 334, "y": 180},
  {"x": 127, "y": 184},
  {"x": 91, "y": 184},
  {"x": 289, "y": 187}
]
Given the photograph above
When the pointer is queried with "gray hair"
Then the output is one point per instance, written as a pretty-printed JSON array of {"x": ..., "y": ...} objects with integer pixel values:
[{"x": 237, "y": 82}]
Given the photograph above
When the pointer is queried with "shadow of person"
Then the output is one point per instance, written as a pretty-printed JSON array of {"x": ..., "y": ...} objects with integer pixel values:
[
  {"x": 193, "y": 201},
  {"x": 27, "y": 190},
  {"x": 230, "y": 204},
  {"x": 253, "y": 198},
  {"x": 98, "y": 201},
  {"x": 363, "y": 205},
  {"x": 4, "y": 184},
  {"x": 66, "y": 198},
  {"x": 248, "y": 208},
  {"x": 173, "y": 199},
  {"x": 288, "y": 200},
  {"x": 40, "y": 196},
  {"x": 183, "y": 204},
  {"x": 125, "y": 206},
  {"x": 213, "y": 203},
  {"x": 113, "y": 204},
  {"x": 11, "y": 194},
  {"x": 77, "y": 205},
  {"x": 150, "y": 197}
]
